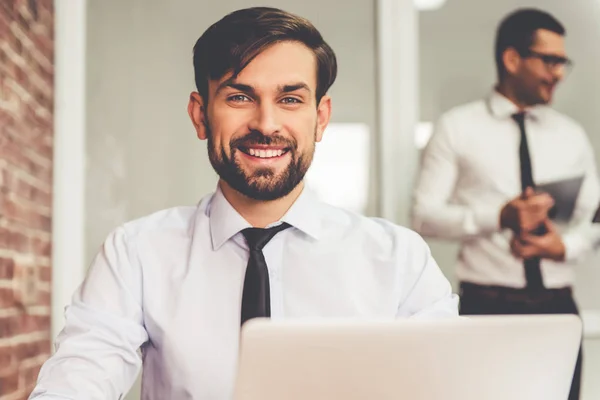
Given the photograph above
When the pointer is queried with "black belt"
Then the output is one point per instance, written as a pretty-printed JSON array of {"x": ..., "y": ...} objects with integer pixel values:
[{"x": 514, "y": 294}]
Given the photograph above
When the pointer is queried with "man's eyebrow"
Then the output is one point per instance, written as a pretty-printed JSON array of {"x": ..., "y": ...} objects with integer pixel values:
[
  {"x": 293, "y": 87},
  {"x": 288, "y": 88},
  {"x": 242, "y": 87}
]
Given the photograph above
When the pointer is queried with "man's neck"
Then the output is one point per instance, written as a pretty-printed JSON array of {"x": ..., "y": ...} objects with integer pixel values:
[
  {"x": 508, "y": 91},
  {"x": 260, "y": 213}
]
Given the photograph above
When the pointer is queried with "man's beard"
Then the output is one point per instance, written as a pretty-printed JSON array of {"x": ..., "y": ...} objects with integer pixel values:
[
  {"x": 529, "y": 94},
  {"x": 264, "y": 183}
]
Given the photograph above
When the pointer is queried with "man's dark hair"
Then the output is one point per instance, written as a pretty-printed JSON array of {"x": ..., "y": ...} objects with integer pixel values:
[
  {"x": 232, "y": 43},
  {"x": 518, "y": 30}
]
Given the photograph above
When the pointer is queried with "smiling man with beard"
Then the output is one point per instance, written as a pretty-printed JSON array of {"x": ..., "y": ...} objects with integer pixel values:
[
  {"x": 479, "y": 173},
  {"x": 180, "y": 283}
]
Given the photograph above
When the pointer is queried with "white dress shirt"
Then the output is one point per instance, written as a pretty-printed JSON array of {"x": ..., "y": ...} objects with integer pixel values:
[
  {"x": 171, "y": 283},
  {"x": 470, "y": 169}
]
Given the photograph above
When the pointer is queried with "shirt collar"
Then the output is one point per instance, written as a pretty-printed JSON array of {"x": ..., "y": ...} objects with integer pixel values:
[
  {"x": 501, "y": 107},
  {"x": 305, "y": 215},
  {"x": 225, "y": 222}
]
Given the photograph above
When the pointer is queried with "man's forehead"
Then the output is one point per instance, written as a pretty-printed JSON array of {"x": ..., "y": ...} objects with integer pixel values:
[
  {"x": 279, "y": 64},
  {"x": 545, "y": 39}
]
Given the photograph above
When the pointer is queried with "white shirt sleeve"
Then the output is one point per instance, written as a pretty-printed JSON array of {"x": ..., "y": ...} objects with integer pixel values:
[
  {"x": 97, "y": 351},
  {"x": 430, "y": 293},
  {"x": 582, "y": 238},
  {"x": 432, "y": 213}
]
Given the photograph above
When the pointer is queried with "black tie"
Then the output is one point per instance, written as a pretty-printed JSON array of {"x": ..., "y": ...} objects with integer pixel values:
[
  {"x": 533, "y": 274},
  {"x": 256, "y": 297}
]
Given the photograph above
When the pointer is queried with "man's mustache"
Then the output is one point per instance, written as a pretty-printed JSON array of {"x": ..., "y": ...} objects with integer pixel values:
[{"x": 257, "y": 138}]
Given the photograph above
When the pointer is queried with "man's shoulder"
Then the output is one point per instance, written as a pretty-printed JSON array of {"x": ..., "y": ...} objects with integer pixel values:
[
  {"x": 371, "y": 229},
  {"x": 568, "y": 128},
  {"x": 466, "y": 110},
  {"x": 379, "y": 241},
  {"x": 554, "y": 116},
  {"x": 171, "y": 219}
]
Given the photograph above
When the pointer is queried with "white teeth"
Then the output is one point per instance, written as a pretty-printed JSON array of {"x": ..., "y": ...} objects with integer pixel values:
[{"x": 265, "y": 153}]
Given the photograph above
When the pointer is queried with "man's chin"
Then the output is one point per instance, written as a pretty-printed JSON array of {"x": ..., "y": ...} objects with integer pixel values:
[
  {"x": 264, "y": 194},
  {"x": 547, "y": 95},
  {"x": 264, "y": 187}
]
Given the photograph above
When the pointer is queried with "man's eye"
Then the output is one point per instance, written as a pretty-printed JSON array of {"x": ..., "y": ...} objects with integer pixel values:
[
  {"x": 551, "y": 60},
  {"x": 291, "y": 100},
  {"x": 238, "y": 98}
]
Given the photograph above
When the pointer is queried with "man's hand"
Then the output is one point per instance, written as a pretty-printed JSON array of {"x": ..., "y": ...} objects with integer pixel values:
[
  {"x": 524, "y": 214},
  {"x": 550, "y": 245}
]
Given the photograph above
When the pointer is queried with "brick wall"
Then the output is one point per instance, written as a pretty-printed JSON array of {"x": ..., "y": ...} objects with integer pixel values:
[{"x": 26, "y": 131}]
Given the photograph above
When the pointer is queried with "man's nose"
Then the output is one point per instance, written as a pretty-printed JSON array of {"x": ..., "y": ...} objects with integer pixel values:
[{"x": 266, "y": 119}]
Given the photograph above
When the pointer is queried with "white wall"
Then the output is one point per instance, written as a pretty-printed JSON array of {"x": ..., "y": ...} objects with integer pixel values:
[
  {"x": 142, "y": 151},
  {"x": 457, "y": 66},
  {"x": 68, "y": 204}
]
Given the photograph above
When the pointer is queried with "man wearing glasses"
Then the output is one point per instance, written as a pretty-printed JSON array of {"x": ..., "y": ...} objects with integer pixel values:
[{"x": 479, "y": 172}]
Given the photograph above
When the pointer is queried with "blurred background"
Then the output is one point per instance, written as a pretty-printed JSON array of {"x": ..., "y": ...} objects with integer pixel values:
[{"x": 94, "y": 130}]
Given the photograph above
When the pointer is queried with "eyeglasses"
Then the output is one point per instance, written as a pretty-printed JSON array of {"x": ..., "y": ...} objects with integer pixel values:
[{"x": 550, "y": 60}]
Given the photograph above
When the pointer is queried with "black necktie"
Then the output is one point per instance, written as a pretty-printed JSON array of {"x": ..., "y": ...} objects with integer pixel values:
[
  {"x": 533, "y": 274},
  {"x": 256, "y": 297},
  {"x": 596, "y": 218}
]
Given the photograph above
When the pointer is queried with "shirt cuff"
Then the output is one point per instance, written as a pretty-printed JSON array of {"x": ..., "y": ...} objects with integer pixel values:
[
  {"x": 487, "y": 220},
  {"x": 578, "y": 244}
]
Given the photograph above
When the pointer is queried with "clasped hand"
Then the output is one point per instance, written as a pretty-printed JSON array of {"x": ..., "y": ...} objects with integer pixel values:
[{"x": 534, "y": 234}]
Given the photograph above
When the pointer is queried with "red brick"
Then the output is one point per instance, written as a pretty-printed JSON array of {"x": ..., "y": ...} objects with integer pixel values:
[
  {"x": 27, "y": 324},
  {"x": 23, "y": 215},
  {"x": 34, "y": 323},
  {"x": 44, "y": 274},
  {"x": 45, "y": 223},
  {"x": 9, "y": 326},
  {"x": 7, "y": 357},
  {"x": 4, "y": 30},
  {"x": 24, "y": 351},
  {"x": 44, "y": 298},
  {"x": 26, "y": 156},
  {"x": 7, "y": 299},
  {"x": 4, "y": 232},
  {"x": 42, "y": 247},
  {"x": 7, "y": 268},
  {"x": 24, "y": 19},
  {"x": 45, "y": 346},
  {"x": 13, "y": 154},
  {"x": 9, "y": 383},
  {"x": 27, "y": 350},
  {"x": 19, "y": 242},
  {"x": 25, "y": 12},
  {"x": 30, "y": 375}
]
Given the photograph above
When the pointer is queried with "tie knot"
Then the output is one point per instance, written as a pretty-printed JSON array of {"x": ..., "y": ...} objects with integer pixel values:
[
  {"x": 519, "y": 117},
  {"x": 257, "y": 238}
]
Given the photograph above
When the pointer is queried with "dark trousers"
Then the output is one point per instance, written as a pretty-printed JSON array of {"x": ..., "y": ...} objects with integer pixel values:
[{"x": 482, "y": 300}]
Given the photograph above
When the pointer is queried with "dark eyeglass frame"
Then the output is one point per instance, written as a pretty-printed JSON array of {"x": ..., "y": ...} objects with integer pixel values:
[{"x": 551, "y": 61}]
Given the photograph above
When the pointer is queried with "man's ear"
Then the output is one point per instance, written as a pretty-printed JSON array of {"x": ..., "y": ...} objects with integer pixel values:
[
  {"x": 197, "y": 113},
  {"x": 512, "y": 60},
  {"x": 323, "y": 116}
]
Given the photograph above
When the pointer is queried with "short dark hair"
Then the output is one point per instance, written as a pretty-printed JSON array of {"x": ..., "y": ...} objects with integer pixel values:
[
  {"x": 232, "y": 43},
  {"x": 518, "y": 30}
]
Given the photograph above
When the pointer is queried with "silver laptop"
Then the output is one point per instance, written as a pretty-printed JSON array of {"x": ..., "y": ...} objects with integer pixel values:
[{"x": 467, "y": 358}]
